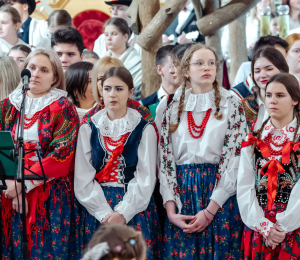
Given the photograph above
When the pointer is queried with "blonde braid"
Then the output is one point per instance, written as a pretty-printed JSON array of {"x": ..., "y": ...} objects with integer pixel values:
[
  {"x": 218, "y": 115},
  {"x": 173, "y": 127}
]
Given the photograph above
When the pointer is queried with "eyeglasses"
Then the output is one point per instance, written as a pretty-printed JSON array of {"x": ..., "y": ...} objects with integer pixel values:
[
  {"x": 200, "y": 65},
  {"x": 116, "y": 9}
]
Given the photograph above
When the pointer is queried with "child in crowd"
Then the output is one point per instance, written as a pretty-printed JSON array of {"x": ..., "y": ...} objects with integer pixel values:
[
  {"x": 79, "y": 87},
  {"x": 115, "y": 165},
  {"x": 198, "y": 179},
  {"x": 268, "y": 181},
  {"x": 171, "y": 80},
  {"x": 116, "y": 242},
  {"x": 68, "y": 44},
  {"x": 19, "y": 53}
]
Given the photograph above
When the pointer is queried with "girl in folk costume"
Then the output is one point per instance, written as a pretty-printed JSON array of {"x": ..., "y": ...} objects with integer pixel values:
[
  {"x": 266, "y": 62},
  {"x": 201, "y": 134},
  {"x": 115, "y": 165},
  {"x": 79, "y": 87},
  {"x": 51, "y": 123},
  {"x": 98, "y": 72},
  {"x": 268, "y": 188}
]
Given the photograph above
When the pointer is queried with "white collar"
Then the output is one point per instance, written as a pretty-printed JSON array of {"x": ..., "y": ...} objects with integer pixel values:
[
  {"x": 251, "y": 83},
  {"x": 281, "y": 134},
  {"x": 36, "y": 104},
  {"x": 161, "y": 92},
  {"x": 117, "y": 127},
  {"x": 203, "y": 102}
]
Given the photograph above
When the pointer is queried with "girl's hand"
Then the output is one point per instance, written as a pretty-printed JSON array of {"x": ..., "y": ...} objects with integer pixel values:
[
  {"x": 276, "y": 234},
  {"x": 10, "y": 193},
  {"x": 201, "y": 221},
  {"x": 180, "y": 220},
  {"x": 16, "y": 207},
  {"x": 177, "y": 219},
  {"x": 116, "y": 219}
]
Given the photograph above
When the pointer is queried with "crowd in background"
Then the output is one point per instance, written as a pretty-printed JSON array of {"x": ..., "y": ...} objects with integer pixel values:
[{"x": 197, "y": 171}]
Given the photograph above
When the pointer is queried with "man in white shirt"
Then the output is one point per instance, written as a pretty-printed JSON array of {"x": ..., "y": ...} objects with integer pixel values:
[
  {"x": 118, "y": 9},
  {"x": 34, "y": 32}
]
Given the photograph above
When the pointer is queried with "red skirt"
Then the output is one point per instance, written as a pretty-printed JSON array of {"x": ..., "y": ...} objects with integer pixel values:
[{"x": 253, "y": 243}]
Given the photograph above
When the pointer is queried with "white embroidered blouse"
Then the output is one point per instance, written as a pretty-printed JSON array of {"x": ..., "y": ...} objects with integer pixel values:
[
  {"x": 140, "y": 188},
  {"x": 34, "y": 105},
  {"x": 220, "y": 143},
  {"x": 251, "y": 212}
]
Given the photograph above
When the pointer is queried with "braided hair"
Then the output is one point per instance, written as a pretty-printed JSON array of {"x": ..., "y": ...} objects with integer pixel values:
[{"x": 185, "y": 66}]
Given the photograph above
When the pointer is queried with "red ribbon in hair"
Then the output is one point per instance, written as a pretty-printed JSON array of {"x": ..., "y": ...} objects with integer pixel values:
[
  {"x": 104, "y": 174},
  {"x": 286, "y": 151},
  {"x": 272, "y": 166}
]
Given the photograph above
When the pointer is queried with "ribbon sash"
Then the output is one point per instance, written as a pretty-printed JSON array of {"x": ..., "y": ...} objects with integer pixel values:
[{"x": 272, "y": 166}]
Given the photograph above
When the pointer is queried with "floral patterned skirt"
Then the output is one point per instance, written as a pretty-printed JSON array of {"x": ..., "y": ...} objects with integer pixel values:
[
  {"x": 253, "y": 245},
  {"x": 57, "y": 240},
  {"x": 147, "y": 222},
  {"x": 222, "y": 238}
]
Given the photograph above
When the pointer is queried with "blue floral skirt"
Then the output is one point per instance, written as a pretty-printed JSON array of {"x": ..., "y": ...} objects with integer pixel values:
[
  {"x": 58, "y": 239},
  {"x": 147, "y": 222},
  {"x": 222, "y": 238}
]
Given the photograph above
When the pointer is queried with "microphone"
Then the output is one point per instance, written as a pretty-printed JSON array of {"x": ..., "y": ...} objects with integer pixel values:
[{"x": 25, "y": 75}]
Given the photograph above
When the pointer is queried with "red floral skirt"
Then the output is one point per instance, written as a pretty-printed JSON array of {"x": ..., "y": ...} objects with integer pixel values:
[{"x": 253, "y": 243}]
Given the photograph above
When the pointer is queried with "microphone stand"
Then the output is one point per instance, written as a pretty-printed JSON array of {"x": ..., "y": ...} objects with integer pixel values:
[{"x": 21, "y": 172}]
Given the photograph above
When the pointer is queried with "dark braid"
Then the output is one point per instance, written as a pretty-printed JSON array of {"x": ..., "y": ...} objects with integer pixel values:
[
  {"x": 218, "y": 115},
  {"x": 297, "y": 114}
]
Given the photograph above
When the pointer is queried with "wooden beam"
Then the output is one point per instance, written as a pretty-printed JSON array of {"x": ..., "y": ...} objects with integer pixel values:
[
  {"x": 154, "y": 29},
  {"x": 133, "y": 13},
  {"x": 224, "y": 15},
  {"x": 198, "y": 9}
]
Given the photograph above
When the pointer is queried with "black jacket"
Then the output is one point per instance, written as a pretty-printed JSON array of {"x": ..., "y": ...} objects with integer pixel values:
[{"x": 189, "y": 26}]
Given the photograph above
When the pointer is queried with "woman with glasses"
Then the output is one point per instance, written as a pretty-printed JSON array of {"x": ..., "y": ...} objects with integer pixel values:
[
  {"x": 201, "y": 134},
  {"x": 19, "y": 53}
]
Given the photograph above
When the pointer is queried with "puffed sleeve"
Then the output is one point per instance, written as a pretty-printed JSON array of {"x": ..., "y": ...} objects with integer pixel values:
[
  {"x": 88, "y": 191},
  {"x": 141, "y": 187},
  {"x": 252, "y": 214},
  {"x": 289, "y": 219},
  {"x": 230, "y": 158}
]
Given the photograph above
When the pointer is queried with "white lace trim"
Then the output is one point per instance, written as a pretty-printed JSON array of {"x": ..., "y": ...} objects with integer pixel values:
[
  {"x": 117, "y": 127},
  {"x": 279, "y": 135},
  {"x": 203, "y": 102},
  {"x": 265, "y": 228},
  {"x": 36, "y": 104}
]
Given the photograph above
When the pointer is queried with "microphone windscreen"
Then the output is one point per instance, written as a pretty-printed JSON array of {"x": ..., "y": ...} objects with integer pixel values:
[{"x": 25, "y": 72}]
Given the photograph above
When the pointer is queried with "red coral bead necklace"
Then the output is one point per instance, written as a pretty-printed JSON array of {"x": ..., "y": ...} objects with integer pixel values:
[
  {"x": 196, "y": 128},
  {"x": 109, "y": 141}
]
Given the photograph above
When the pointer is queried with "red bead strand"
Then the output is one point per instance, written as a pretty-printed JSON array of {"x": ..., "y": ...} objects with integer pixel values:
[
  {"x": 31, "y": 120},
  {"x": 195, "y": 128},
  {"x": 109, "y": 141}
]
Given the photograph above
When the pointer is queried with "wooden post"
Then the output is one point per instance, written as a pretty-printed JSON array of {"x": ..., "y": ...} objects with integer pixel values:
[
  {"x": 214, "y": 40},
  {"x": 151, "y": 80},
  {"x": 237, "y": 43},
  {"x": 213, "y": 21}
]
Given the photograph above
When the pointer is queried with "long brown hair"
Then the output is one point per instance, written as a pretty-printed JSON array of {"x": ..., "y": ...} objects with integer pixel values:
[
  {"x": 120, "y": 237},
  {"x": 185, "y": 66},
  {"x": 121, "y": 73},
  {"x": 292, "y": 86}
]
